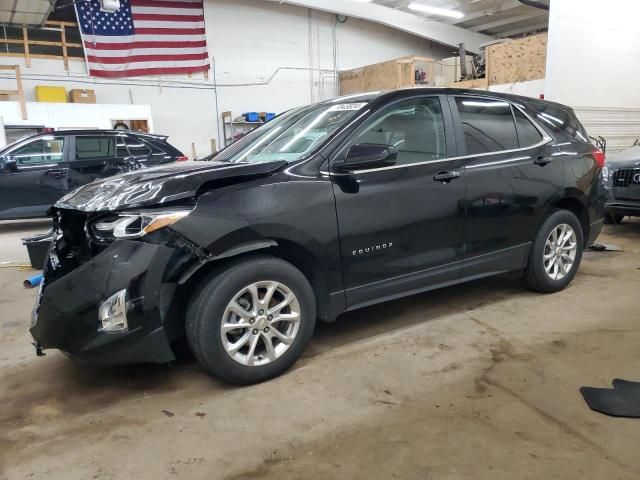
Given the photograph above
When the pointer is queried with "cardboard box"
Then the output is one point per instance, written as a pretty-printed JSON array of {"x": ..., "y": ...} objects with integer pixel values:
[
  {"x": 51, "y": 94},
  {"x": 78, "y": 95}
]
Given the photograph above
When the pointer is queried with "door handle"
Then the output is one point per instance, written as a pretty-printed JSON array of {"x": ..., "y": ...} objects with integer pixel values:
[
  {"x": 57, "y": 174},
  {"x": 446, "y": 177},
  {"x": 542, "y": 161}
]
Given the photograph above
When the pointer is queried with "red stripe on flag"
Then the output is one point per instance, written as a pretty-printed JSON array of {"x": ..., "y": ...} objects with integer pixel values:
[
  {"x": 160, "y": 3},
  {"x": 168, "y": 18},
  {"x": 132, "y": 45},
  {"x": 170, "y": 31},
  {"x": 145, "y": 58},
  {"x": 148, "y": 71}
]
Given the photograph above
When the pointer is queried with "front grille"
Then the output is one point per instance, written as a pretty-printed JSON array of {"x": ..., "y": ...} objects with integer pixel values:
[{"x": 625, "y": 177}]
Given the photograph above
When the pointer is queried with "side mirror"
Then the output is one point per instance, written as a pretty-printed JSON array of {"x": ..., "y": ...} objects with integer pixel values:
[{"x": 367, "y": 155}]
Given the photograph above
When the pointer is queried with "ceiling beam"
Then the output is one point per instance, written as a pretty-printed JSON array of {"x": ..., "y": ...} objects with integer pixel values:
[
  {"x": 506, "y": 6},
  {"x": 508, "y": 20},
  {"x": 407, "y": 22},
  {"x": 529, "y": 28}
]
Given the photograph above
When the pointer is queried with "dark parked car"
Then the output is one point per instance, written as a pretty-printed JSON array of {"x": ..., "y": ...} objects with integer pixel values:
[
  {"x": 327, "y": 208},
  {"x": 622, "y": 181},
  {"x": 36, "y": 171}
]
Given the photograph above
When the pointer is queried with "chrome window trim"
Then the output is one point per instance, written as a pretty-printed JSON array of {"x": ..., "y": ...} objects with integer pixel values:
[{"x": 545, "y": 140}]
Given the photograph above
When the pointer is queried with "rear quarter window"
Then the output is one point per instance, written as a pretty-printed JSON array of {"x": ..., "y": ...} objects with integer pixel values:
[{"x": 560, "y": 121}]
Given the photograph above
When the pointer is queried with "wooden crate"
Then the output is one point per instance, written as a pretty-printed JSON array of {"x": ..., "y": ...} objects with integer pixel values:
[
  {"x": 477, "y": 83},
  {"x": 391, "y": 75},
  {"x": 518, "y": 60},
  {"x": 512, "y": 62}
]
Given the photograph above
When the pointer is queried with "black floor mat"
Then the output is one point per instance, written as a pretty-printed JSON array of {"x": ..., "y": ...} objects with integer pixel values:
[{"x": 623, "y": 400}]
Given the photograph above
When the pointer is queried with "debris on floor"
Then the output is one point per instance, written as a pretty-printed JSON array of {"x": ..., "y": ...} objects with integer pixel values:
[
  {"x": 33, "y": 281},
  {"x": 605, "y": 247},
  {"x": 12, "y": 264}
]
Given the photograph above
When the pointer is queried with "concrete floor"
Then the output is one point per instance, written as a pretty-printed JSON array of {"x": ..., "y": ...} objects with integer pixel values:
[{"x": 478, "y": 381}]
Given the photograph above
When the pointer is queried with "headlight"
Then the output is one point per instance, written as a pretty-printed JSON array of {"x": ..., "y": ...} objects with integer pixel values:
[
  {"x": 605, "y": 173},
  {"x": 135, "y": 224}
]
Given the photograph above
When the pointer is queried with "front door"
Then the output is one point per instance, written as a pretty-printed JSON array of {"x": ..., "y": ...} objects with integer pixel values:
[
  {"x": 401, "y": 227},
  {"x": 33, "y": 176}
]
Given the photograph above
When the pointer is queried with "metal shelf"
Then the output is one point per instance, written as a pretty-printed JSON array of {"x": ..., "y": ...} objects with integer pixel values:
[{"x": 228, "y": 127}]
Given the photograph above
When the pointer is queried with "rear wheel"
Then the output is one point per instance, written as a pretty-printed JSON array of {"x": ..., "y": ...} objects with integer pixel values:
[
  {"x": 613, "y": 219},
  {"x": 251, "y": 320},
  {"x": 556, "y": 253}
]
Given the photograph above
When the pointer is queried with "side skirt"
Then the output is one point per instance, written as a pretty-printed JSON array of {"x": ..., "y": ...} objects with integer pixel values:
[{"x": 503, "y": 261}]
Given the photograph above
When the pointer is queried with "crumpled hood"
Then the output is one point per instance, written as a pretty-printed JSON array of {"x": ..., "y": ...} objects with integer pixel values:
[
  {"x": 629, "y": 158},
  {"x": 157, "y": 186}
]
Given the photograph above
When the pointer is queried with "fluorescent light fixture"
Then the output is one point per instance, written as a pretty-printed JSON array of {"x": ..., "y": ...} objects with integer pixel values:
[{"x": 444, "y": 12}]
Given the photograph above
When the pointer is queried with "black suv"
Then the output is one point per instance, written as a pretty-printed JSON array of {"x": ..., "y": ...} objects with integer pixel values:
[
  {"x": 327, "y": 208},
  {"x": 36, "y": 171}
]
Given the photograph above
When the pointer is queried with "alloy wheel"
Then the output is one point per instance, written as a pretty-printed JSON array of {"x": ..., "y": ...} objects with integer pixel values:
[
  {"x": 560, "y": 251},
  {"x": 260, "y": 323}
]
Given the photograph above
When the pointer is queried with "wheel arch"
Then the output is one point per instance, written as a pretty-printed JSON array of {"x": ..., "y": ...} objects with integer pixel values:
[
  {"x": 578, "y": 208},
  {"x": 287, "y": 250}
]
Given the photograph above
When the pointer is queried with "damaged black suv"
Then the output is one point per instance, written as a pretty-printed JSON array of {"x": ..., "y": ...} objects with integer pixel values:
[{"x": 327, "y": 208}]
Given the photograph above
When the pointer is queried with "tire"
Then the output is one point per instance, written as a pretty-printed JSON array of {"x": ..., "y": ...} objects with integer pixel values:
[
  {"x": 211, "y": 306},
  {"x": 613, "y": 219},
  {"x": 536, "y": 276}
]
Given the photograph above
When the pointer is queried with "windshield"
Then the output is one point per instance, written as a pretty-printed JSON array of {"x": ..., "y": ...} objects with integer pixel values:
[{"x": 290, "y": 136}]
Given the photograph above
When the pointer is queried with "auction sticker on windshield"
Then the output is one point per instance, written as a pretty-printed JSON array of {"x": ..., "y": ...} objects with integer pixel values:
[{"x": 341, "y": 107}]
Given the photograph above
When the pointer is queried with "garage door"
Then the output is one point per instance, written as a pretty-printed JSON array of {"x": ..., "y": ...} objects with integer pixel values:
[{"x": 619, "y": 126}]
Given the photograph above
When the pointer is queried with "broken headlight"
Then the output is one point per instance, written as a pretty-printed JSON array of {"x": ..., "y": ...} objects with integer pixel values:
[{"x": 134, "y": 224}]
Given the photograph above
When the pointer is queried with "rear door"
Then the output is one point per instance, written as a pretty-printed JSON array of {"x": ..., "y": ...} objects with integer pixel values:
[
  {"x": 511, "y": 172},
  {"x": 401, "y": 227},
  {"x": 33, "y": 176},
  {"x": 95, "y": 156}
]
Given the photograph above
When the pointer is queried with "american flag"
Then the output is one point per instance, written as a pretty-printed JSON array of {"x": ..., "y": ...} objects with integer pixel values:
[{"x": 144, "y": 37}]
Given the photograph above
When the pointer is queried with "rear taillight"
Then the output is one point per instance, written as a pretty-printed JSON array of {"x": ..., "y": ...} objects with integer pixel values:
[
  {"x": 598, "y": 156},
  {"x": 182, "y": 158}
]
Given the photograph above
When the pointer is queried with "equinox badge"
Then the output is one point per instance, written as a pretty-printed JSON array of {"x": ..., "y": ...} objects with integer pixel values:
[{"x": 372, "y": 249}]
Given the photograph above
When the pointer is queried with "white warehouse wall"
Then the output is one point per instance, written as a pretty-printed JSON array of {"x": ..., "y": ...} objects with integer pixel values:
[
  {"x": 593, "y": 53},
  {"x": 593, "y": 60},
  {"x": 268, "y": 57}
]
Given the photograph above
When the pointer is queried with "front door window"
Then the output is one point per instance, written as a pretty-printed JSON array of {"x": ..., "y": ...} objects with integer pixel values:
[
  {"x": 415, "y": 127},
  {"x": 41, "y": 151}
]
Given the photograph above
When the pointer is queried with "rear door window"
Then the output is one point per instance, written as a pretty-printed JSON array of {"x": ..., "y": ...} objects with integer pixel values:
[
  {"x": 487, "y": 124},
  {"x": 95, "y": 148},
  {"x": 528, "y": 134}
]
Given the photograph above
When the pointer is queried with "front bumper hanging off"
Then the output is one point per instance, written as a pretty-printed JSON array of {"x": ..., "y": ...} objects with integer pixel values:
[{"x": 67, "y": 318}]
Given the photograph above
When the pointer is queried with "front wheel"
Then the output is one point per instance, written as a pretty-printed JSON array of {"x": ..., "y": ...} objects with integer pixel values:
[
  {"x": 556, "y": 253},
  {"x": 251, "y": 320}
]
